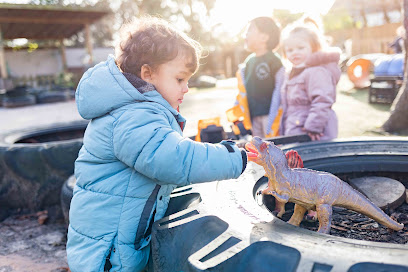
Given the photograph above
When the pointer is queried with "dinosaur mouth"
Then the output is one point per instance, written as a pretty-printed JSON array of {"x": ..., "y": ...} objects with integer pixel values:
[{"x": 252, "y": 151}]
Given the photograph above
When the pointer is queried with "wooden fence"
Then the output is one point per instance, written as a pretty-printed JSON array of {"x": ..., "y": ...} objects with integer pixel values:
[{"x": 367, "y": 39}]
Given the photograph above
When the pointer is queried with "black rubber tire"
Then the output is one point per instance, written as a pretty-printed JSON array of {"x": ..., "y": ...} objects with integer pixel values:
[
  {"x": 31, "y": 174},
  {"x": 294, "y": 139},
  {"x": 52, "y": 97},
  {"x": 17, "y": 91},
  {"x": 225, "y": 229},
  {"x": 43, "y": 134},
  {"x": 219, "y": 226},
  {"x": 204, "y": 82},
  {"x": 18, "y": 101},
  {"x": 71, "y": 94},
  {"x": 355, "y": 155},
  {"x": 66, "y": 196}
]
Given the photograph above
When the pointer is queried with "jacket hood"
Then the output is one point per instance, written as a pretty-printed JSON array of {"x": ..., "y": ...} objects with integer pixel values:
[
  {"x": 104, "y": 88},
  {"x": 328, "y": 59}
]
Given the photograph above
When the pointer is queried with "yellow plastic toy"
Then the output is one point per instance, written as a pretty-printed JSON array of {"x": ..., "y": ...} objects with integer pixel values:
[{"x": 204, "y": 123}]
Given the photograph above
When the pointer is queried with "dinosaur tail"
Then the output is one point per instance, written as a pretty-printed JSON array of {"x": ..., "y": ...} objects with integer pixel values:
[{"x": 356, "y": 201}]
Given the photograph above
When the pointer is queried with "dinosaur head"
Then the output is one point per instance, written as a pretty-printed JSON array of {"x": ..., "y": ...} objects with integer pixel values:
[
  {"x": 264, "y": 152},
  {"x": 257, "y": 150}
]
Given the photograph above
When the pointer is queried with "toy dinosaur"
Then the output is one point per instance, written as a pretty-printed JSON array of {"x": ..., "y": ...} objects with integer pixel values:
[
  {"x": 310, "y": 189},
  {"x": 294, "y": 161}
]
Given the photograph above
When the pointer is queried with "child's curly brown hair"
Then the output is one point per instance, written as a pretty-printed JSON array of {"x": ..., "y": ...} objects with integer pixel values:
[{"x": 153, "y": 41}]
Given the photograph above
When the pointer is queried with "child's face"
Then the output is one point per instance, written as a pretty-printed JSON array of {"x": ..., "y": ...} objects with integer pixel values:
[
  {"x": 297, "y": 50},
  {"x": 171, "y": 80},
  {"x": 254, "y": 39}
]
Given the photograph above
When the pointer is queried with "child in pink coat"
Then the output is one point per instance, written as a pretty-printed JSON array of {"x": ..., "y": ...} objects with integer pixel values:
[{"x": 309, "y": 90}]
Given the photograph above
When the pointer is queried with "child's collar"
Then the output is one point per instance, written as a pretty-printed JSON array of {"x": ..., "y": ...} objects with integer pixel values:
[
  {"x": 141, "y": 85},
  {"x": 323, "y": 57}
]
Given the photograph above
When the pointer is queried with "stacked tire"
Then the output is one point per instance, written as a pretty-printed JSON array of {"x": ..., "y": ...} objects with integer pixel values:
[
  {"x": 34, "y": 166},
  {"x": 228, "y": 228},
  {"x": 18, "y": 97},
  {"x": 224, "y": 226}
]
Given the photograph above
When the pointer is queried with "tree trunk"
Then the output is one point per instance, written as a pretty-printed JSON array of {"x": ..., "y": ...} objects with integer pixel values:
[{"x": 398, "y": 119}]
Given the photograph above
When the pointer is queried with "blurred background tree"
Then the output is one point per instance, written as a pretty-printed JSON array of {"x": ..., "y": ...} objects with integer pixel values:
[
  {"x": 285, "y": 17},
  {"x": 47, "y": 2},
  {"x": 189, "y": 14},
  {"x": 337, "y": 21},
  {"x": 398, "y": 120},
  {"x": 224, "y": 50},
  {"x": 223, "y": 45},
  {"x": 186, "y": 14}
]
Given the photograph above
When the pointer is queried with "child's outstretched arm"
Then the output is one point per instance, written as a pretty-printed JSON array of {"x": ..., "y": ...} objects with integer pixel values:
[
  {"x": 275, "y": 101},
  {"x": 154, "y": 149}
]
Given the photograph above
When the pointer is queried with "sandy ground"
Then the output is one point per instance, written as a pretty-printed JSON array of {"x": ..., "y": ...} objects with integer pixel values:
[{"x": 26, "y": 245}]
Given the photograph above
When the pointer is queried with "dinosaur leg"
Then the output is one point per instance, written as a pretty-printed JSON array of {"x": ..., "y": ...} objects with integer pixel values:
[
  {"x": 266, "y": 191},
  {"x": 297, "y": 215},
  {"x": 284, "y": 197},
  {"x": 279, "y": 204},
  {"x": 311, "y": 216},
  {"x": 324, "y": 214},
  {"x": 279, "y": 208}
]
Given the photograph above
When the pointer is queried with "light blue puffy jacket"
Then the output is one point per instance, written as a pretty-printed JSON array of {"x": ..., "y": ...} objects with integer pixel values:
[{"x": 132, "y": 157}]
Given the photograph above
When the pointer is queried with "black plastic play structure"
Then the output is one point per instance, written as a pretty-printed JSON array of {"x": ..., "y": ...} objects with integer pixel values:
[{"x": 387, "y": 79}]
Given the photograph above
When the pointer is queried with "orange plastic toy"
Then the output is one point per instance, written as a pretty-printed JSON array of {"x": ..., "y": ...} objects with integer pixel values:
[{"x": 359, "y": 73}]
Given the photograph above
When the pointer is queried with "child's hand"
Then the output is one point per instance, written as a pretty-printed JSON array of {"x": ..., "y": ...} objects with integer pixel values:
[{"x": 315, "y": 136}]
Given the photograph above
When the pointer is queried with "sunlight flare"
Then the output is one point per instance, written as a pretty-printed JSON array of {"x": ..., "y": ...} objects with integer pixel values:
[{"x": 232, "y": 16}]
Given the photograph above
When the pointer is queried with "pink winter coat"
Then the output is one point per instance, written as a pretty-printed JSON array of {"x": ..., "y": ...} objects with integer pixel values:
[{"x": 307, "y": 98}]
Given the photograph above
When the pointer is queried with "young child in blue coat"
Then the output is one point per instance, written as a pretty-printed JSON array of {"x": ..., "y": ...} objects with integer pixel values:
[{"x": 133, "y": 152}]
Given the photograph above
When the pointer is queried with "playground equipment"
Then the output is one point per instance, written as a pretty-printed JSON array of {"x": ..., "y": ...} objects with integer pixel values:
[
  {"x": 382, "y": 73},
  {"x": 360, "y": 67},
  {"x": 359, "y": 71},
  {"x": 387, "y": 79}
]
